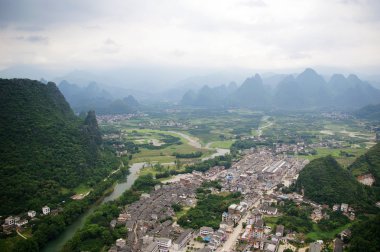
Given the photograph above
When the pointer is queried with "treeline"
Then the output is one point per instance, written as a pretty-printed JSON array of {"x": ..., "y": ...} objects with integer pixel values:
[
  {"x": 195, "y": 154},
  {"x": 167, "y": 139},
  {"x": 209, "y": 208},
  {"x": 49, "y": 227},
  {"x": 202, "y": 166},
  {"x": 297, "y": 218},
  {"x": 245, "y": 144}
]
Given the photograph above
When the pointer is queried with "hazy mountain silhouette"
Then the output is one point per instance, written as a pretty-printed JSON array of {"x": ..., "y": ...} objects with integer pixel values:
[
  {"x": 306, "y": 90},
  {"x": 94, "y": 97}
]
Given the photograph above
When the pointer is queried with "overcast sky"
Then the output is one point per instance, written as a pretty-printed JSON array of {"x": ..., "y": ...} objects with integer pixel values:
[{"x": 252, "y": 34}]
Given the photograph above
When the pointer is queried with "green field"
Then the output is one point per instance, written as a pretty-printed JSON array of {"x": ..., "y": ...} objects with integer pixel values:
[
  {"x": 344, "y": 161},
  {"x": 317, "y": 234},
  {"x": 222, "y": 144},
  {"x": 162, "y": 155},
  {"x": 82, "y": 189}
]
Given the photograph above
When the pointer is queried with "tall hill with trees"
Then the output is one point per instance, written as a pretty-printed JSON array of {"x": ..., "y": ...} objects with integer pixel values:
[
  {"x": 324, "y": 181},
  {"x": 45, "y": 150}
]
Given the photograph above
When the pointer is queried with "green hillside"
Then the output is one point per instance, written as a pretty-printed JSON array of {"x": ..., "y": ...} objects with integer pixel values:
[
  {"x": 365, "y": 235},
  {"x": 370, "y": 112},
  {"x": 325, "y": 181},
  {"x": 45, "y": 150},
  {"x": 369, "y": 163}
]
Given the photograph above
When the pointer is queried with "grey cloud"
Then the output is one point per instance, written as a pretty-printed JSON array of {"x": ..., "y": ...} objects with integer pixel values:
[
  {"x": 29, "y": 28},
  {"x": 33, "y": 39},
  {"x": 45, "y": 12},
  {"x": 109, "y": 46}
]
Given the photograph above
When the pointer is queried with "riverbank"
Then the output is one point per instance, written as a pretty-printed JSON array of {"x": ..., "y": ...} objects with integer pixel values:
[{"x": 58, "y": 243}]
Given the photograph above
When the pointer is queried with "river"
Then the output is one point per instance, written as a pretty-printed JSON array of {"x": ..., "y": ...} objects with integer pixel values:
[{"x": 57, "y": 244}]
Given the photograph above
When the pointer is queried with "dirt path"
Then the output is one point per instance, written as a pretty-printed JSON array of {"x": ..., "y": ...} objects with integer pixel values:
[
  {"x": 192, "y": 141},
  {"x": 21, "y": 234}
]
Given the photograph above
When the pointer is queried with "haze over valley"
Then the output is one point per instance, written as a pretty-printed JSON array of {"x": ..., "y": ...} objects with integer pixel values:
[{"x": 176, "y": 126}]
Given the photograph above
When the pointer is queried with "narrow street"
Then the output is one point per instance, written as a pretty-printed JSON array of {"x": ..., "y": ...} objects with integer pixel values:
[{"x": 229, "y": 245}]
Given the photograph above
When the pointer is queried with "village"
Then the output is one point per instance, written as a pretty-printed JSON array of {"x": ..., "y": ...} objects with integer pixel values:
[
  {"x": 152, "y": 227},
  {"x": 151, "y": 221}
]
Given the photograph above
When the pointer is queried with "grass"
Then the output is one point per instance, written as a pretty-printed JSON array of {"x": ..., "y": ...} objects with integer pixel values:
[
  {"x": 164, "y": 155},
  {"x": 318, "y": 234},
  {"x": 181, "y": 213},
  {"x": 222, "y": 144},
  {"x": 344, "y": 161},
  {"x": 271, "y": 221},
  {"x": 82, "y": 189}
]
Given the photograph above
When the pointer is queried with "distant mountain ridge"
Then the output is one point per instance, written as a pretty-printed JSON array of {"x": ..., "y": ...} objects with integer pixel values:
[
  {"x": 94, "y": 97},
  {"x": 371, "y": 112},
  {"x": 306, "y": 90}
]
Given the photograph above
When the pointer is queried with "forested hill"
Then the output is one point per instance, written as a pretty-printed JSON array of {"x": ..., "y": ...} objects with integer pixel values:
[
  {"x": 370, "y": 112},
  {"x": 45, "y": 150},
  {"x": 369, "y": 163},
  {"x": 326, "y": 182}
]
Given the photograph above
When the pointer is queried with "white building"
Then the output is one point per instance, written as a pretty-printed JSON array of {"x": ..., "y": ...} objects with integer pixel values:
[
  {"x": 204, "y": 231},
  {"x": 32, "y": 213},
  {"x": 164, "y": 244},
  {"x": 344, "y": 207},
  {"x": 10, "y": 220},
  {"x": 120, "y": 243},
  {"x": 21, "y": 222},
  {"x": 46, "y": 210}
]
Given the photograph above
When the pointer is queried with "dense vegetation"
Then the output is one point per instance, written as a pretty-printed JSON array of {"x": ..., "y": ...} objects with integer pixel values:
[
  {"x": 295, "y": 218},
  {"x": 49, "y": 227},
  {"x": 369, "y": 163},
  {"x": 209, "y": 208},
  {"x": 45, "y": 150},
  {"x": 196, "y": 154},
  {"x": 365, "y": 235},
  {"x": 325, "y": 181}
]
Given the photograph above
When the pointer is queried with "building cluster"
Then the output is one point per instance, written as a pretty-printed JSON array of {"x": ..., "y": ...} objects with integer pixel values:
[
  {"x": 258, "y": 236},
  {"x": 256, "y": 176},
  {"x": 345, "y": 209},
  {"x": 13, "y": 222},
  {"x": 149, "y": 220},
  {"x": 118, "y": 117},
  {"x": 260, "y": 171},
  {"x": 156, "y": 124}
]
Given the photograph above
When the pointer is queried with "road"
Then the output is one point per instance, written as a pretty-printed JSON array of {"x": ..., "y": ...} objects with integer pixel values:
[
  {"x": 234, "y": 236},
  {"x": 266, "y": 125},
  {"x": 192, "y": 141}
]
